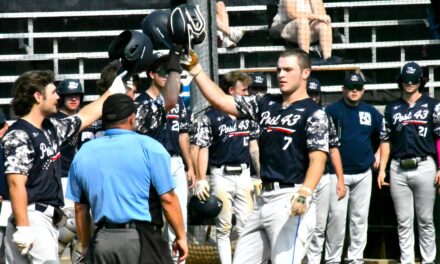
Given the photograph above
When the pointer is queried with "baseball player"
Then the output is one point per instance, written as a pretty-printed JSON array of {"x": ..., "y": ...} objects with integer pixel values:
[
  {"x": 357, "y": 124},
  {"x": 323, "y": 190},
  {"x": 410, "y": 137},
  {"x": 173, "y": 135},
  {"x": 33, "y": 165},
  {"x": 224, "y": 141},
  {"x": 71, "y": 95},
  {"x": 293, "y": 145}
]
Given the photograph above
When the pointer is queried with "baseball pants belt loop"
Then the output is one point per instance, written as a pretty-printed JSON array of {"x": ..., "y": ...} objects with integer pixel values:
[{"x": 271, "y": 186}]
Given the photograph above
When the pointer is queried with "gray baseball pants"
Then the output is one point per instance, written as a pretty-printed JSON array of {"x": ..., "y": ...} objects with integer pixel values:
[
  {"x": 235, "y": 193},
  {"x": 45, "y": 246},
  {"x": 322, "y": 201},
  {"x": 181, "y": 190},
  {"x": 271, "y": 233},
  {"x": 357, "y": 203},
  {"x": 414, "y": 189}
]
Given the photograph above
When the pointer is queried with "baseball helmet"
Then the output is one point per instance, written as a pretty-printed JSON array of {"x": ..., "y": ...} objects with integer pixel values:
[
  {"x": 203, "y": 212},
  {"x": 155, "y": 26},
  {"x": 70, "y": 86},
  {"x": 134, "y": 49},
  {"x": 187, "y": 26}
]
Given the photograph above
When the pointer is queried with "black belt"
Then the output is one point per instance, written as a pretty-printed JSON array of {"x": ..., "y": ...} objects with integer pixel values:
[
  {"x": 233, "y": 165},
  {"x": 128, "y": 225},
  {"x": 419, "y": 159},
  {"x": 110, "y": 225},
  {"x": 270, "y": 186},
  {"x": 57, "y": 215}
]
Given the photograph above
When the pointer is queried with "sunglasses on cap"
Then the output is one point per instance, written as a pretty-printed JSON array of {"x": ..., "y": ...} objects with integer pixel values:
[
  {"x": 162, "y": 73},
  {"x": 353, "y": 87}
]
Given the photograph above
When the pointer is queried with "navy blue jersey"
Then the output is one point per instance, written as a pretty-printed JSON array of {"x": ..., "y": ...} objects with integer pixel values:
[
  {"x": 412, "y": 130},
  {"x": 95, "y": 130},
  {"x": 168, "y": 133},
  {"x": 226, "y": 137},
  {"x": 287, "y": 135},
  {"x": 356, "y": 127},
  {"x": 68, "y": 149},
  {"x": 35, "y": 153}
]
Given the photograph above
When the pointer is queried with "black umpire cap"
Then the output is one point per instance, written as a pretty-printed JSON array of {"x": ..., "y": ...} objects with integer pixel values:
[{"x": 117, "y": 107}]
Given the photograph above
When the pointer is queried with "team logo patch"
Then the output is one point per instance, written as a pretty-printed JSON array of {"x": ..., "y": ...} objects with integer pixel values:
[
  {"x": 410, "y": 70},
  {"x": 72, "y": 85},
  {"x": 365, "y": 118}
]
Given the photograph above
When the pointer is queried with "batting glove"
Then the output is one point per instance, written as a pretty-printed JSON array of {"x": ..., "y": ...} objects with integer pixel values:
[
  {"x": 191, "y": 63},
  {"x": 23, "y": 239},
  {"x": 300, "y": 201},
  {"x": 258, "y": 185},
  {"x": 173, "y": 63},
  {"x": 118, "y": 85},
  {"x": 202, "y": 189}
]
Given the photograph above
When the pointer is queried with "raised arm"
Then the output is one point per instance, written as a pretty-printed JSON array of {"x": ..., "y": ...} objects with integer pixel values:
[{"x": 208, "y": 88}]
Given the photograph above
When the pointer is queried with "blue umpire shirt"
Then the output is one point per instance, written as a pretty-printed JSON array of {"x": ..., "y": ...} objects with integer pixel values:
[
  {"x": 356, "y": 127},
  {"x": 116, "y": 172}
]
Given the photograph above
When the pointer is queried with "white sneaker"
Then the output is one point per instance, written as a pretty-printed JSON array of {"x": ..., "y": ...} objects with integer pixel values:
[
  {"x": 235, "y": 34},
  {"x": 228, "y": 43}
]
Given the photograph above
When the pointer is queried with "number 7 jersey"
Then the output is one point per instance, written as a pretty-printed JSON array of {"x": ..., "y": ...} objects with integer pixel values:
[{"x": 287, "y": 135}]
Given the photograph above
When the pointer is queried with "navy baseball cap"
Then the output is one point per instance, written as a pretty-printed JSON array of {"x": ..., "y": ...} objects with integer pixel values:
[
  {"x": 258, "y": 80},
  {"x": 354, "y": 80},
  {"x": 313, "y": 85},
  {"x": 411, "y": 73},
  {"x": 117, "y": 107}
]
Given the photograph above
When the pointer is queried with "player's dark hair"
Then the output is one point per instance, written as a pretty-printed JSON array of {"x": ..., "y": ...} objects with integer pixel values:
[
  {"x": 422, "y": 82},
  {"x": 24, "y": 88},
  {"x": 304, "y": 60},
  {"x": 230, "y": 79},
  {"x": 108, "y": 75}
]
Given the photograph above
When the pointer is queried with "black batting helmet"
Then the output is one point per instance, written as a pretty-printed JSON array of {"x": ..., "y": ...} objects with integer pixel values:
[
  {"x": 203, "y": 212},
  {"x": 134, "y": 49},
  {"x": 69, "y": 86},
  {"x": 187, "y": 26},
  {"x": 155, "y": 25}
]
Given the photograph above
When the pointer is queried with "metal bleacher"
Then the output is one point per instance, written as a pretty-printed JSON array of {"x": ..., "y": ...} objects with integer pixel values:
[
  {"x": 370, "y": 41},
  {"x": 54, "y": 49}
]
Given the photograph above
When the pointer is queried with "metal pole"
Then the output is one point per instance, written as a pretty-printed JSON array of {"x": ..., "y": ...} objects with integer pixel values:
[{"x": 207, "y": 52}]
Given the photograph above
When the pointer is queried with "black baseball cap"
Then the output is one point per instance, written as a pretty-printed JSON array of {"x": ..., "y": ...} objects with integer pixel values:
[
  {"x": 117, "y": 107},
  {"x": 411, "y": 73},
  {"x": 313, "y": 85},
  {"x": 258, "y": 80},
  {"x": 354, "y": 80}
]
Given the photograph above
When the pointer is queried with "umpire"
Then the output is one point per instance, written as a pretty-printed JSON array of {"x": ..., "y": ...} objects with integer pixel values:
[{"x": 131, "y": 185}]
